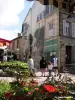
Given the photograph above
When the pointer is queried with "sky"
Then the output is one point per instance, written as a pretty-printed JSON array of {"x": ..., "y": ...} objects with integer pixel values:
[{"x": 12, "y": 14}]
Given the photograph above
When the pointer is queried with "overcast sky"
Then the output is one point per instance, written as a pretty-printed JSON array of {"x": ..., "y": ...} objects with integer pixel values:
[{"x": 12, "y": 14}]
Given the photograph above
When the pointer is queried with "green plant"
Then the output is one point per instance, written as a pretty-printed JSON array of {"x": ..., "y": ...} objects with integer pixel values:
[{"x": 4, "y": 87}]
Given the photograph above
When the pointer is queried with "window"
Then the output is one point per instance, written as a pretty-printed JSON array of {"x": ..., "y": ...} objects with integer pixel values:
[
  {"x": 68, "y": 28},
  {"x": 51, "y": 8},
  {"x": 50, "y": 25},
  {"x": 40, "y": 16},
  {"x": 46, "y": 12},
  {"x": 73, "y": 29}
]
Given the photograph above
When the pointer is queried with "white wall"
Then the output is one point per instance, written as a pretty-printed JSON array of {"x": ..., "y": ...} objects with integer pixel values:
[
  {"x": 31, "y": 17},
  {"x": 37, "y": 8}
]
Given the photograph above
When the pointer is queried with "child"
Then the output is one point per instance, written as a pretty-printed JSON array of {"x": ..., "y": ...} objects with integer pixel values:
[{"x": 50, "y": 67}]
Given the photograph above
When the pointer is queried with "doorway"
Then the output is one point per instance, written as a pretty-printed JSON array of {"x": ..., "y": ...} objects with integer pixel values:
[{"x": 68, "y": 54}]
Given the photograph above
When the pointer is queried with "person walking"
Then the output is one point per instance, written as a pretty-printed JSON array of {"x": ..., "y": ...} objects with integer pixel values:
[
  {"x": 31, "y": 66},
  {"x": 55, "y": 65},
  {"x": 50, "y": 67},
  {"x": 5, "y": 58},
  {"x": 43, "y": 65}
]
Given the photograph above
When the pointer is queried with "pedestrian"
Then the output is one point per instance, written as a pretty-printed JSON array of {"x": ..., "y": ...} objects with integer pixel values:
[
  {"x": 43, "y": 66},
  {"x": 31, "y": 66},
  {"x": 55, "y": 65},
  {"x": 5, "y": 58},
  {"x": 50, "y": 67}
]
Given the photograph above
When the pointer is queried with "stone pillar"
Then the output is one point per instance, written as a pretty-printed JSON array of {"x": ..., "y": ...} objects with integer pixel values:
[{"x": 62, "y": 56}]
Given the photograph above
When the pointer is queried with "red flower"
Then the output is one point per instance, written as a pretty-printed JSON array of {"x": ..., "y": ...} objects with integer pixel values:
[
  {"x": 49, "y": 88},
  {"x": 7, "y": 95}
]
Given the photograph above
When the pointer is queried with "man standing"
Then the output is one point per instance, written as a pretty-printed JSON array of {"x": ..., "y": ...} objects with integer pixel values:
[
  {"x": 31, "y": 66},
  {"x": 43, "y": 65},
  {"x": 55, "y": 64}
]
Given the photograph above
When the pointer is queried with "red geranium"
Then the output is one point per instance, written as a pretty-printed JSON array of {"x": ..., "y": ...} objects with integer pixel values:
[
  {"x": 50, "y": 88},
  {"x": 8, "y": 95}
]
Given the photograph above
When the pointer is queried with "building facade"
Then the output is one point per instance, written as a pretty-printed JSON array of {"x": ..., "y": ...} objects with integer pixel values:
[
  {"x": 60, "y": 36},
  {"x": 28, "y": 33},
  {"x": 52, "y": 31},
  {"x": 16, "y": 47}
]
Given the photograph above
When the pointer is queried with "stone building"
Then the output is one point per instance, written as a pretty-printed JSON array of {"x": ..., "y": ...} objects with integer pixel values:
[
  {"x": 16, "y": 46},
  {"x": 60, "y": 35}
]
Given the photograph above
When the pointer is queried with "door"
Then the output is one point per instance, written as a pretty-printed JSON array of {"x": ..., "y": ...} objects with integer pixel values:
[{"x": 68, "y": 54}]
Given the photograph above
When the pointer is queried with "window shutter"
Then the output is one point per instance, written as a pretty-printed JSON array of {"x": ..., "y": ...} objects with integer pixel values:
[
  {"x": 64, "y": 27},
  {"x": 73, "y": 29}
]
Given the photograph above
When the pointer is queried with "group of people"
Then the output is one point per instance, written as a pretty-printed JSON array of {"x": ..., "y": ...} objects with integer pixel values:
[{"x": 50, "y": 65}]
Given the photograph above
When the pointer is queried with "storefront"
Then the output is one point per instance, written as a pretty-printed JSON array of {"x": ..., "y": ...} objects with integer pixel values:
[{"x": 50, "y": 48}]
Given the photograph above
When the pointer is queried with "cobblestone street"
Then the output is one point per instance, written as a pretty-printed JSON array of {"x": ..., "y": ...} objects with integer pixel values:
[{"x": 39, "y": 78}]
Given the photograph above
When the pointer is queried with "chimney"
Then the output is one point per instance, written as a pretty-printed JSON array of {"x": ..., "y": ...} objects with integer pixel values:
[{"x": 19, "y": 34}]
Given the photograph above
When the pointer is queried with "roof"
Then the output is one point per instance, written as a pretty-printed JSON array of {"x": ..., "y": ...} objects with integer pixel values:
[
  {"x": 16, "y": 38},
  {"x": 4, "y": 40}
]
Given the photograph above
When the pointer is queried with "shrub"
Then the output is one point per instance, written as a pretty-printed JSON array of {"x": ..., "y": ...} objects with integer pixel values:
[{"x": 4, "y": 87}]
